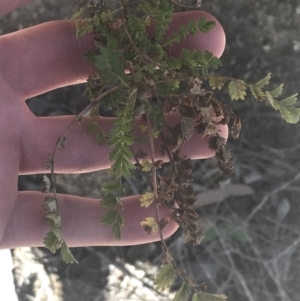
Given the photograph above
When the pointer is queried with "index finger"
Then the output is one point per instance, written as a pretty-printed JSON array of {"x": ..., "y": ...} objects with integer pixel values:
[{"x": 45, "y": 57}]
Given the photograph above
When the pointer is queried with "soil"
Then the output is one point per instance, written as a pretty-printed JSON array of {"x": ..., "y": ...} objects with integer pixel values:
[{"x": 251, "y": 251}]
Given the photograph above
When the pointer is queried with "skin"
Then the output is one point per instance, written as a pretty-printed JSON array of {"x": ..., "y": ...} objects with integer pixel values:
[{"x": 37, "y": 60}]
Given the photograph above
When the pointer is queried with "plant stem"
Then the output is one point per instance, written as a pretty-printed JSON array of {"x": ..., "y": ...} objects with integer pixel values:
[
  {"x": 154, "y": 181},
  {"x": 62, "y": 140}
]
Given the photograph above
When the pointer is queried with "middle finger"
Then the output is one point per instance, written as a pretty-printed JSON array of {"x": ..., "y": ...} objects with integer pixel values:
[{"x": 82, "y": 154}]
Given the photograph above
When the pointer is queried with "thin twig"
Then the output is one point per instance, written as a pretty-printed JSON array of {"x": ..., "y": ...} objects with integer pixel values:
[
  {"x": 61, "y": 140},
  {"x": 154, "y": 179}
]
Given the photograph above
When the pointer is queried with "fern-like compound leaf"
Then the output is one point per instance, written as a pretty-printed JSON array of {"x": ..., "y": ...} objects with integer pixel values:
[
  {"x": 256, "y": 89},
  {"x": 278, "y": 91},
  {"x": 192, "y": 27},
  {"x": 54, "y": 219},
  {"x": 116, "y": 231},
  {"x": 237, "y": 89},
  {"x": 216, "y": 82},
  {"x": 66, "y": 254},
  {"x": 274, "y": 103},
  {"x": 109, "y": 217},
  {"x": 147, "y": 199},
  {"x": 183, "y": 293},
  {"x": 110, "y": 187},
  {"x": 50, "y": 204},
  {"x": 109, "y": 201},
  {"x": 206, "y": 26},
  {"x": 290, "y": 113},
  {"x": 263, "y": 82},
  {"x": 150, "y": 225},
  {"x": 165, "y": 278},
  {"x": 52, "y": 242},
  {"x": 163, "y": 19},
  {"x": 146, "y": 165},
  {"x": 289, "y": 101},
  {"x": 120, "y": 219},
  {"x": 257, "y": 92},
  {"x": 108, "y": 64}
]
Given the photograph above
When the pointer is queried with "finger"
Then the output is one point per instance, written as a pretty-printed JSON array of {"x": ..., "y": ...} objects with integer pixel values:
[
  {"x": 44, "y": 57},
  {"x": 7, "y": 6},
  {"x": 82, "y": 154},
  {"x": 48, "y": 56},
  {"x": 80, "y": 222}
]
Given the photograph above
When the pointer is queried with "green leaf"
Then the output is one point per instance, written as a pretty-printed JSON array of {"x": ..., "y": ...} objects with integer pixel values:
[
  {"x": 50, "y": 204},
  {"x": 263, "y": 82},
  {"x": 147, "y": 199},
  {"x": 285, "y": 106},
  {"x": 205, "y": 26},
  {"x": 158, "y": 51},
  {"x": 175, "y": 63},
  {"x": 208, "y": 297},
  {"x": 66, "y": 254},
  {"x": 183, "y": 33},
  {"x": 165, "y": 278},
  {"x": 187, "y": 58},
  {"x": 256, "y": 89},
  {"x": 109, "y": 217},
  {"x": 289, "y": 101},
  {"x": 57, "y": 233},
  {"x": 81, "y": 30},
  {"x": 100, "y": 137},
  {"x": 150, "y": 225},
  {"x": 116, "y": 231},
  {"x": 122, "y": 166},
  {"x": 110, "y": 187},
  {"x": 274, "y": 103},
  {"x": 237, "y": 89},
  {"x": 54, "y": 218},
  {"x": 210, "y": 235},
  {"x": 163, "y": 18},
  {"x": 120, "y": 219},
  {"x": 290, "y": 114},
  {"x": 77, "y": 14},
  {"x": 277, "y": 92},
  {"x": 240, "y": 235},
  {"x": 94, "y": 112},
  {"x": 143, "y": 128},
  {"x": 257, "y": 92},
  {"x": 120, "y": 151},
  {"x": 91, "y": 127},
  {"x": 108, "y": 64},
  {"x": 146, "y": 165},
  {"x": 215, "y": 63},
  {"x": 183, "y": 293},
  {"x": 216, "y": 82},
  {"x": 109, "y": 202},
  {"x": 52, "y": 242},
  {"x": 192, "y": 27},
  {"x": 175, "y": 37},
  {"x": 112, "y": 43}
]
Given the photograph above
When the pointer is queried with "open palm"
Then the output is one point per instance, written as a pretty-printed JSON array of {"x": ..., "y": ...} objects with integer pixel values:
[{"x": 34, "y": 61}]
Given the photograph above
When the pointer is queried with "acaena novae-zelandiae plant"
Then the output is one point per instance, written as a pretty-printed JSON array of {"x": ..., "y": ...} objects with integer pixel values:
[{"x": 145, "y": 57}]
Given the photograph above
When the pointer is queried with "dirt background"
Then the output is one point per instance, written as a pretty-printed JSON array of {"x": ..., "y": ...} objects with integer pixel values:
[{"x": 251, "y": 250}]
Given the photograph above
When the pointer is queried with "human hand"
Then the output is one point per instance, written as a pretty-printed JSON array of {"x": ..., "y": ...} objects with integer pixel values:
[{"x": 37, "y": 60}]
